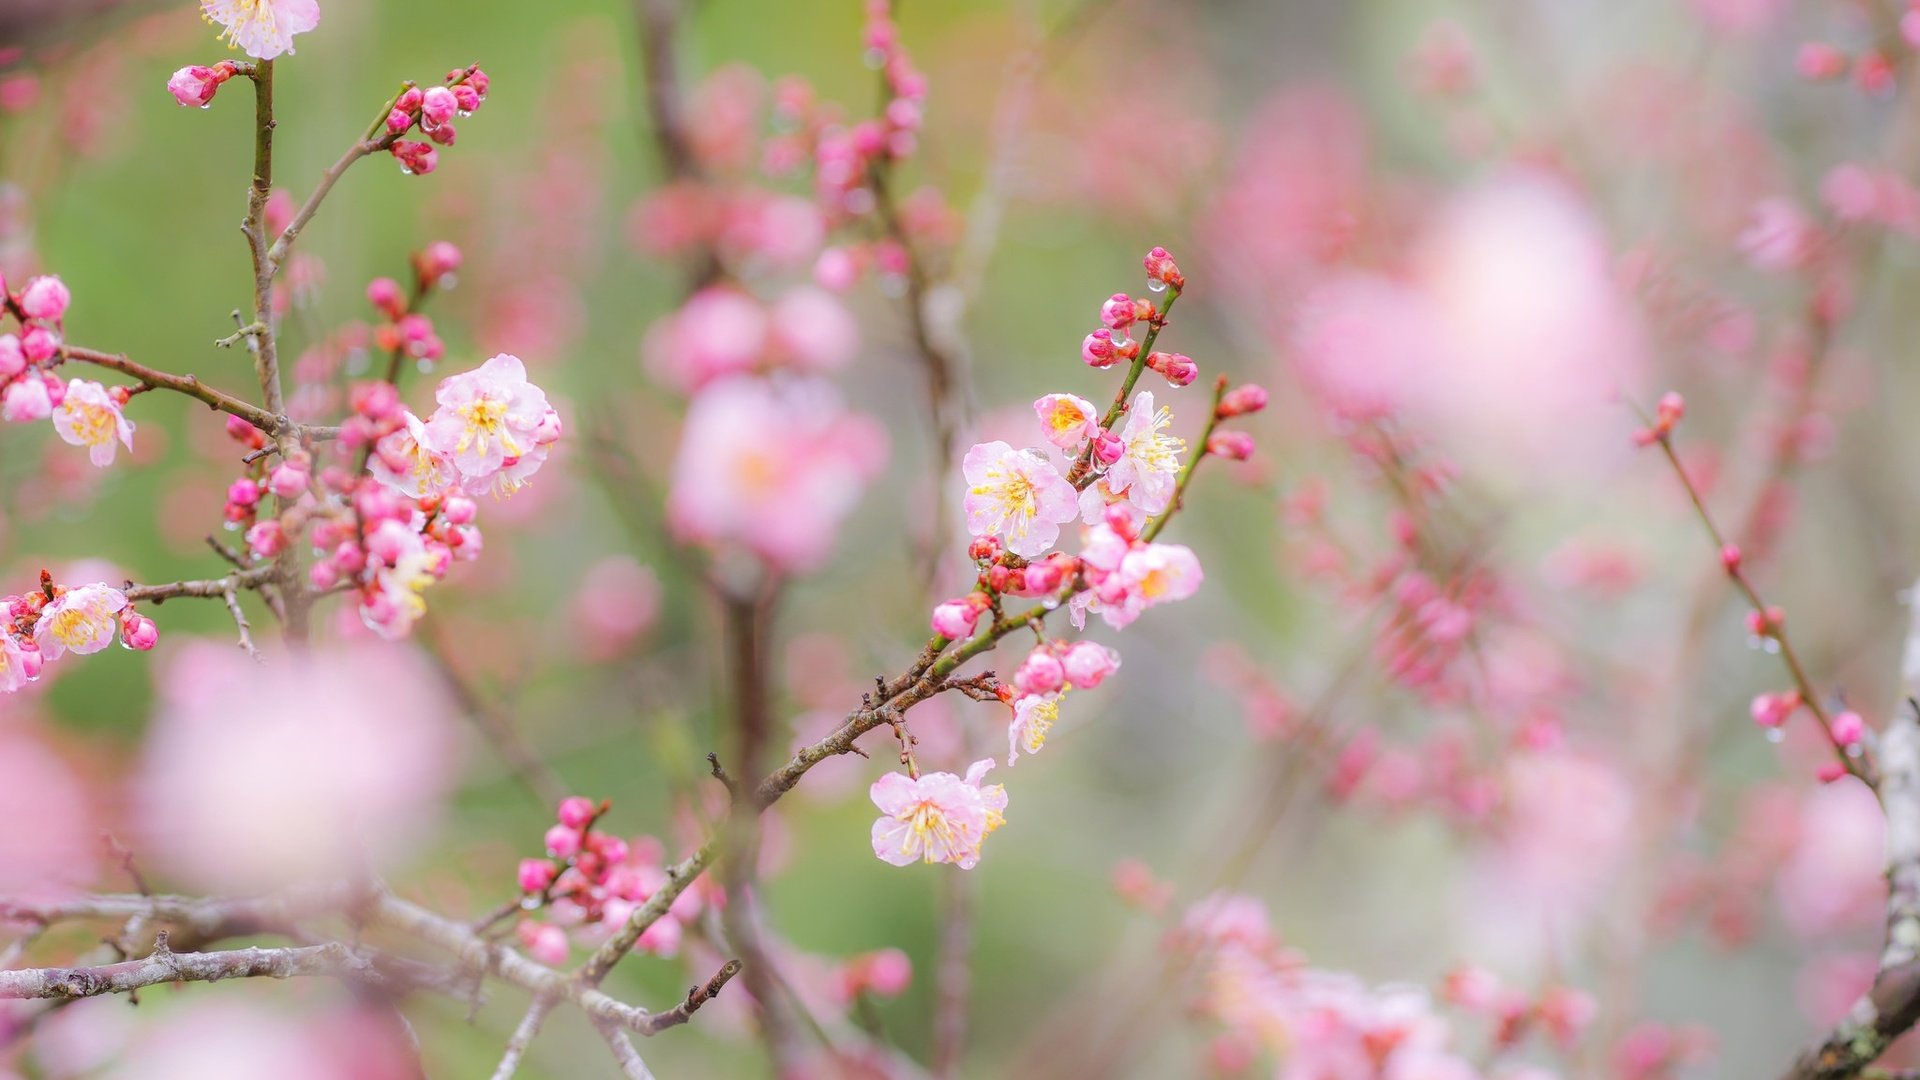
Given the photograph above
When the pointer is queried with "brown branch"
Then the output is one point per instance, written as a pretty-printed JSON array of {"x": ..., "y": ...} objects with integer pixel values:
[
  {"x": 264, "y": 419},
  {"x": 208, "y": 590},
  {"x": 1892, "y": 1005},
  {"x": 666, "y": 104},
  {"x": 166, "y": 966}
]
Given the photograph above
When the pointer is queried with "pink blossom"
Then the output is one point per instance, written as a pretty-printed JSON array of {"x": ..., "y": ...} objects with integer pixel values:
[
  {"x": 89, "y": 416},
  {"x": 20, "y": 662},
  {"x": 81, "y": 618},
  {"x": 1088, "y": 663},
  {"x": 1041, "y": 673},
  {"x": 1018, "y": 496},
  {"x": 773, "y": 467},
  {"x": 331, "y": 762},
  {"x": 137, "y": 632},
  {"x": 1780, "y": 237},
  {"x": 262, "y": 28},
  {"x": 1150, "y": 466},
  {"x": 813, "y": 331},
  {"x": 618, "y": 600},
  {"x": 194, "y": 86},
  {"x": 403, "y": 461},
  {"x": 46, "y": 298},
  {"x": 1066, "y": 419},
  {"x": 26, "y": 400},
  {"x": 1033, "y": 717},
  {"x": 939, "y": 817},
  {"x": 719, "y": 331},
  {"x": 956, "y": 619},
  {"x": 487, "y": 417}
]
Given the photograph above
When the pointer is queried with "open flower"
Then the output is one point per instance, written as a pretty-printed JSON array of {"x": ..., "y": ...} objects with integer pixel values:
[
  {"x": 1065, "y": 419},
  {"x": 262, "y": 29},
  {"x": 488, "y": 417},
  {"x": 938, "y": 817},
  {"x": 1018, "y": 496},
  {"x": 90, "y": 417},
  {"x": 403, "y": 461},
  {"x": 1147, "y": 472},
  {"x": 19, "y": 662},
  {"x": 1033, "y": 717},
  {"x": 81, "y": 619}
]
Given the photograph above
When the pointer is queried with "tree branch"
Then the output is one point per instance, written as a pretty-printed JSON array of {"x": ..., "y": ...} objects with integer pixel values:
[{"x": 166, "y": 966}]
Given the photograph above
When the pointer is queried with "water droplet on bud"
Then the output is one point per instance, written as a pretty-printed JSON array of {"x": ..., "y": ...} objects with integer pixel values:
[
  {"x": 1156, "y": 285},
  {"x": 1775, "y": 734}
]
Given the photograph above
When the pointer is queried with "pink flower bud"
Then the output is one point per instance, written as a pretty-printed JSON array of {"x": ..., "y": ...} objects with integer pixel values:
[
  {"x": 536, "y": 875},
  {"x": 288, "y": 480},
  {"x": 1772, "y": 710},
  {"x": 348, "y": 557},
  {"x": 467, "y": 98},
  {"x": 13, "y": 359},
  {"x": 1237, "y": 445},
  {"x": 1043, "y": 577},
  {"x": 1121, "y": 520},
  {"x": 1177, "y": 368},
  {"x": 323, "y": 575},
  {"x": 443, "y": 135},
  {"x": 1669, "y": 410},
  {"x": 955, "y": 619},
  {"x": 194, "y": 86},
  {"x": 575, "y": 811},
  {"x": 267, "y": 538},
  {"x": 398, "y": 121},
  {"x": 1087, "y": 664},
  {"x": 39, "y": 344},
  {"x": 1162, "y": 271},
  {"x": 479, "y": 81},
  {"x": 1107, "y": 447},
  {"x": 1730, "y": 558},
  {"x": 1118, "y": 312},
  {"x": 1873, "y": 74},
  {"x": 439, "y": 260},
  {"x": 1097, "y": 349},
  {"x": 888, "y": 972},
  {"x": 416, "y": 158},
  {"x": 243, "y": 492},
  {"x": 1041, "y": 673},
  {"x": 137, "y": 632},
  {"x": 46, "y": 298},
  {"x": 562, "y": 842},
  {"x": 459, "y": 510},
  {"x": 1241, "y": 400},
  {"x": 26, "y": 400},
  {"x": 409, "y": 99},
  {"x": 1848, "y": 728},
  {"x": 437, "y": 106},
  {"x": 375, "y": 399},
  {"x": 387, "y": 297}
]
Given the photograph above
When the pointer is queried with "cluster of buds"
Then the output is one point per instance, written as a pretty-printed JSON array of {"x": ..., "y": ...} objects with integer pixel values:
[
  {"x": 405, "y": 330},
  {"x": 47, "y": 623},
  {"x": 84, "y": 413},
  {"x": 28, "y": 389},
  {"x": 193, "y": 86},
  {"x": 432, "y": 112},
  {"x": 591, "y": 882},
  {"x": 845, "y": 156}
]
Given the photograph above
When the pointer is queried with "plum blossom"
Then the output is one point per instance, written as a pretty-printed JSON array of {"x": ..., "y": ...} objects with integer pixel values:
[
  {"x": 81, "y": 619},
  {"x": 25, "y": 401},
  {"x": 938, "y": 817},
  {"x": 403, "y": 461},
  {"x": 1018, "y": 496},
  {"x": 1147, "y": 472},
  {"x": 1033, "y": 717},
  {"x": 489, "y": 419},
  {"x": 89, "y": 416},
  {"x": 406, "y": 567},
  {"x": 1066, "y": 419},
  {"x": 262, "y": 29},
  {"x": 1128, "y": 576},
  {"x": 19, "y": 662},
  {"x": 772, "y": 467}
]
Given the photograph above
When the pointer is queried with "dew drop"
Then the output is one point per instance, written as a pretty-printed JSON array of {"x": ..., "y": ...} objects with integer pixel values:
[
  {"x": 1775, "y": 734},
  {"x": 1770, "y": 646},
  {"x": 1156, "y": 285},
  {"x": 1050, "y": 603},
  {"x": 448, "y": 281}
]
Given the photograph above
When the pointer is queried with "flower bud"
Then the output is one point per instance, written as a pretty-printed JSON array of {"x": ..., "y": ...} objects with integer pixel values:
[
  {"x": 1177, "y": 368},
  {"x": 562, "y": 842},
  {"x": 1097, "y": 349},
  {"x": 387, "y": 297},
  {"x": 1041, "y": 673},
  {"x": 13, "y": 359},
  {"x": 415, "y": 158},
  {"x": 137, "y": 632},
  {"x": 288, "y": 480},
  {"x": 1162, "y": 271},
  {"x": 1241, "y": 400},
  {"x": 194, "y": 86},
  {"x": 536, "y": 875},
  {"x": 1848, "y": 728},
  {"x": 459, "y": 510},
  {"x": 575, "y": 811},
  {"x": 955, "y": 619},
  {"x": 267, "y": 538},
  {"x": 1236, "y": 445},
  {"x": 1118, "y": 312},
  {"x": 1088, "y": 663},
  {"x": 1107, "y": 447},
  {"x": 437, "y": 106}
]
